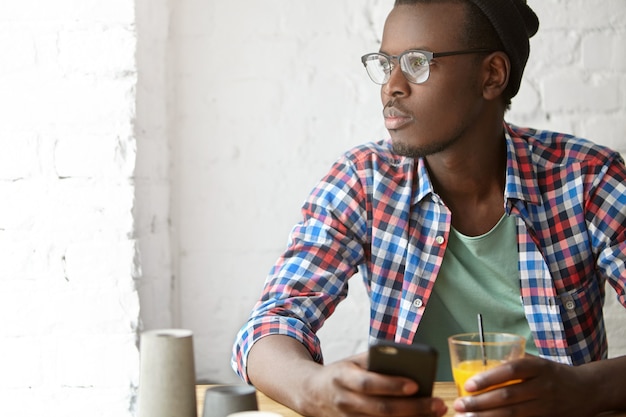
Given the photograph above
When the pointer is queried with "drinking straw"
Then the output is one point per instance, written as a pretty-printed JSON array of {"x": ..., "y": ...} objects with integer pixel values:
[{"x": 481, "y": 332}]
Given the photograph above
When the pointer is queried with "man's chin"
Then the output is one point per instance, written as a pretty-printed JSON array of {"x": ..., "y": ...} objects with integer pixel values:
[
  {"x": 411, "y": 150},
  {"x": 404, "y": 149}
]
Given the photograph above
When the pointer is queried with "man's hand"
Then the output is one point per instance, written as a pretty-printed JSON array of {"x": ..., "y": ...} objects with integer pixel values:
[
  {"x": 547, "y": 389},
  {"x": 282, "y": 368},
  {"x": 346, "y": 388}
]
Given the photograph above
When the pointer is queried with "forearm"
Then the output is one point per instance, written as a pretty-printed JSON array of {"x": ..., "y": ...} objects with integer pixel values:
[
  {"x": 607, "y": 383},
  {"x": 279, "y": 366}
]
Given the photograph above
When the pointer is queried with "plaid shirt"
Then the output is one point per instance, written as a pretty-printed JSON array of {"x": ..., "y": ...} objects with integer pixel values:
[{"x": 378, "y": 213}]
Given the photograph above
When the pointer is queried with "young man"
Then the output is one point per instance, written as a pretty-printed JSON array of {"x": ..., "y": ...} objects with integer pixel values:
[{"x": 458, "y": 213}]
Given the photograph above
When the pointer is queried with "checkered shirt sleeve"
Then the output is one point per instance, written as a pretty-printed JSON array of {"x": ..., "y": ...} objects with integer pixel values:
[
  {"x": 310, "y": 278},
  {"x": 570, "y": 196}
]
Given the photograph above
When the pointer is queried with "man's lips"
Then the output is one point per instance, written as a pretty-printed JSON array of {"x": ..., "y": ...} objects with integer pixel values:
[{"x": 395, "y": 118}]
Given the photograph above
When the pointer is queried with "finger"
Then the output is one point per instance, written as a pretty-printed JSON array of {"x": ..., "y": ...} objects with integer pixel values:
[
  {"x": 360, "y": 359},
  {"x": 375, "y": 384},
  {"x": 497, "y": 397},
  {"x": 483, "y": 405},
  {"x": 409, "y": 406},
  {"x": 517, "y": 370},
  {"x": 521, "y": 397},
  {"x": 354, "y": 403}
]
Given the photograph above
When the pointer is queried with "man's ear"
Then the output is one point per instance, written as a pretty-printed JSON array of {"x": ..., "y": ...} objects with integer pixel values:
[{"x": 496, "y": 70}]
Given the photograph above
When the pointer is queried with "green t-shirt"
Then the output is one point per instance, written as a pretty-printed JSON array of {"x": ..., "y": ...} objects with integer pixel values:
[{"x": 478, "y": 275}]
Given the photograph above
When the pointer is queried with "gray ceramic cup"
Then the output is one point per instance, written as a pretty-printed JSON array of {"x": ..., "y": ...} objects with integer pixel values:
[{"x": 222, "y": 400}]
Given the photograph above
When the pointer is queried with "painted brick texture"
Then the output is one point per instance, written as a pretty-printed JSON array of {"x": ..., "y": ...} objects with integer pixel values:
[{"x": 69, "y": 310}]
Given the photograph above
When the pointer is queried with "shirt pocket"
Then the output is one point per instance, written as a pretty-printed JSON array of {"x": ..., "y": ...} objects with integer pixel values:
[{"x": 583, "y": 302}]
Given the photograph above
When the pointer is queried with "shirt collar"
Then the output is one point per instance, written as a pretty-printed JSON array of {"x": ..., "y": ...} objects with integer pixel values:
[
  {"x": 521, "y": 181},
  {"x": 424, "y": 185}
]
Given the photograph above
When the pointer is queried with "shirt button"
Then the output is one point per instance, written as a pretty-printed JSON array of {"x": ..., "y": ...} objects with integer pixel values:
[
  {"x": 570, "y": 305},
  {"x": 417, "y": 303},
  {"x": 440, "y": 240}
]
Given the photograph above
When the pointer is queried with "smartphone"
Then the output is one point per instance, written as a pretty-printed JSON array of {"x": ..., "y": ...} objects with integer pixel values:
[{"x": 416, "y": 361}]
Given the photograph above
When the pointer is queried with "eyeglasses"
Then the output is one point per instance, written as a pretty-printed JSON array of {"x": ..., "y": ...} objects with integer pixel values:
[{"x": 414, "y": 63}]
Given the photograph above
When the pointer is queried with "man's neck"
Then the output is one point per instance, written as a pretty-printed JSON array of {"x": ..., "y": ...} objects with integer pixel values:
[{"x": 470, "y": 179}]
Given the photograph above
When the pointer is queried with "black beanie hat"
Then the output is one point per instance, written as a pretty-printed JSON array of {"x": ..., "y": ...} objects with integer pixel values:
[{"x": 514, "y": 22}]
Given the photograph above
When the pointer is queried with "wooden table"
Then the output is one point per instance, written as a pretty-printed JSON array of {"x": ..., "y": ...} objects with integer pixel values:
[{"x": 445, "y": 390}]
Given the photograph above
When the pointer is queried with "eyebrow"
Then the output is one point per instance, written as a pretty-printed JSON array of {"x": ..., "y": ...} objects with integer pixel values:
[{"x": 419, "y": 48}]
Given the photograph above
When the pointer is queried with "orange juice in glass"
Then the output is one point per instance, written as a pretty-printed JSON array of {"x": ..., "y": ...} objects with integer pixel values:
[{"x": 468, "y": 356}]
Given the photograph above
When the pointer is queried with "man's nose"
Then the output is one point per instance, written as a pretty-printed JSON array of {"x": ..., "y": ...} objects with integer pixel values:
[{"x": 397, "y": 85}]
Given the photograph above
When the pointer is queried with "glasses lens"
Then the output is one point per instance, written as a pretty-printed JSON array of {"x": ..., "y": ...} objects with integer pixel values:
[
  {"x": 415, "y": 66},
  {"x": 378, "y": 68}
]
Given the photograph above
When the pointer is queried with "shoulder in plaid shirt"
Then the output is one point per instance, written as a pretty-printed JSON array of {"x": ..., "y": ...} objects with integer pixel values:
[{"x": 378, "y": 213}]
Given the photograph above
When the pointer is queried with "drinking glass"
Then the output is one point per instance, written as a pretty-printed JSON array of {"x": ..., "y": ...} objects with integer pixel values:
[{"x": 469, "y": 356}]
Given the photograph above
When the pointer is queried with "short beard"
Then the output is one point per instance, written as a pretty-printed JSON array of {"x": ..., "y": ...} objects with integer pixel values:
[{"x": 405, "y": 149}]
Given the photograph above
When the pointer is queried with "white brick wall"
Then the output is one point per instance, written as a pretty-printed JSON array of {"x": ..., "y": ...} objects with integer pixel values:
[
  {"x": 69, "y": 311},
  {"x": 576, "y": 77},
  {"x": 270, "y": 93}
]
